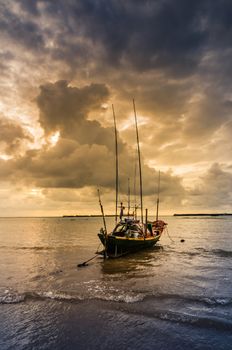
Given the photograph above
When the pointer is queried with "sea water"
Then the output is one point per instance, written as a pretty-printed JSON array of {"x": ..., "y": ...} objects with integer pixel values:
[{"x": 175, "y": 296}]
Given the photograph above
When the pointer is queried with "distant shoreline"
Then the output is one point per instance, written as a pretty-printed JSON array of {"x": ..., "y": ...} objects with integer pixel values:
[
  {"x": 213, "y": 214},
  {"x": 87, "y": 216},
  {"x": 112, "y": 215}
]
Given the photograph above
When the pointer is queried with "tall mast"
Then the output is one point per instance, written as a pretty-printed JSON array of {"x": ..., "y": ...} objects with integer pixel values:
[
  {"x": 140, "y": 170},
  {"x": 128, "y": 197},
  {"x": 116, "y": 166},
  {"x": 157, "y": 203},
  {"x": 135, "y": 202}
]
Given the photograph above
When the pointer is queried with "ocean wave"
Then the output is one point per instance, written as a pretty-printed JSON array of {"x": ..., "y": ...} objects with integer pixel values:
[
  {"x": 209, "y": 301},
  {"x": 38, "y": 248},
  {"x": 204, "y": 321},
  {"x": 218, "y": 252},
  {"x": 115, "y": 296},
  {"x": 202, "y": 250},
  {"x": 196, "y": 320},
  {"x": 124, "y": 298},
  {"x": 12, "y": 298},
  {"x": 217, "y": 301},
  {"x": 107, "y": 293},
  {"x": 60, "y": 296},
  {"x": 28, "y": 247},
  {"x": 15, "y": 298},
  {"x": 222, "y": 253}
]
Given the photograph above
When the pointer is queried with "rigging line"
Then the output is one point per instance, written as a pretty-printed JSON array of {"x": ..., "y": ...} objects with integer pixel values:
[
  {"x": 85, "y": 262},
  {"x": 140, "y": 170},
  {"x": 116, "y": 165},
  {"x": 99, "y": 246}
]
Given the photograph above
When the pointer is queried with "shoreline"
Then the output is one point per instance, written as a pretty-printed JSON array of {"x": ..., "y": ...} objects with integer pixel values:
[{"x": 209, "y": 214}]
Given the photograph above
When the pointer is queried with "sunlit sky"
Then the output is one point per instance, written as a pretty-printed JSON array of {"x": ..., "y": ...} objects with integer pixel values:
[{"x": 64, "y": 63}]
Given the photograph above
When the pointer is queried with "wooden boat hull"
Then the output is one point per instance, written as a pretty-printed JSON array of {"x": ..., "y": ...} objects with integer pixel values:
[{"x": 119, "y": 246}]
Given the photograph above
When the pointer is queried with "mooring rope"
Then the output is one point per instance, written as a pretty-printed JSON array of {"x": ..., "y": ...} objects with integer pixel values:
[
  {"x": 169, "y": 235},
  {"x": 85, "y": 262}
]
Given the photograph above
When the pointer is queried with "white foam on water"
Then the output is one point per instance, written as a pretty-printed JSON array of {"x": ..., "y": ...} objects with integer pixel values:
[
  {"x": 106, "y": 292},
  {"x": 126, "y": 298},
  {"x": 11, "y": 298},
  {"x": 57, "y": 296}
]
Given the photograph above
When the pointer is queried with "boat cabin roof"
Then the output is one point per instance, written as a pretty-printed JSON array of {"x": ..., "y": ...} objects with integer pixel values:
[{"x": 128, "y": 224}]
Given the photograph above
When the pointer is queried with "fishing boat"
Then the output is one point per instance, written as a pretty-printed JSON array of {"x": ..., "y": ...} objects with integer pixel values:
[{"x": 130, "y": 234}]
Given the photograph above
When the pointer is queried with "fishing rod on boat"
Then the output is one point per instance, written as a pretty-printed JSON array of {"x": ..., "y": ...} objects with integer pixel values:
[
  {"x": 135, "y": 212},
  {"x": 104, "y": 223},
  {"x": 102, "y": 211},
  {"x": 121, "y": 210}
]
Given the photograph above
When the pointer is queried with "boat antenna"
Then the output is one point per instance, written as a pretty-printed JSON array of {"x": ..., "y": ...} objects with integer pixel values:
[
  {"x": 102, "y": 211},
  {"x": 121, "y": 210},
  {"x": 140, "y": 170},
  {"x": 116, "y": 165},
  {"x": 158, "y": 193}
]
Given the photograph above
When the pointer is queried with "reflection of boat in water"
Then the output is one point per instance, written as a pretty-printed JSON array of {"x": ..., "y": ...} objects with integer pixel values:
[{"x": 130, "y": 235}]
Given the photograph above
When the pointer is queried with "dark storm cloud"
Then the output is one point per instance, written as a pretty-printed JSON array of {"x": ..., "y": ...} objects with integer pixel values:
[
  {"x": 165, "y": 34},
  {"x": 146, "y": 35},
  {"x": 207, "y": 115},
  {"x": 6, "y": 58},
  {"x": 73, "y": 166},
  {"x": 84, "y": 154},
  {"x": 12, "y": 135},
  {"x": 219, "y": 22},
  {"x": 150, "y": 34},
  {"x": 66, "y": 109},
  {"x": 173, "y": 56},
  {"x": 21, "y": 30},
  {"x": 214, "y": 190},
  {"x": 29, "y": 6},
  {"x": 6, "y": 55},
  {"x": 67, "y": 166}
]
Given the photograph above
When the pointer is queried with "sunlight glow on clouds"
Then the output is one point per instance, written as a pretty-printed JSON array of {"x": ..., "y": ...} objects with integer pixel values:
[
  {"x": 129, "y": 123},
  {"x": 54, "y": 138},
  {"x": 62, "y": 66}
]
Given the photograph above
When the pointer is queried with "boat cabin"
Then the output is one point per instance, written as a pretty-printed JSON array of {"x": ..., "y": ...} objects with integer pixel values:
[{"x": 128, "y": 228}]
